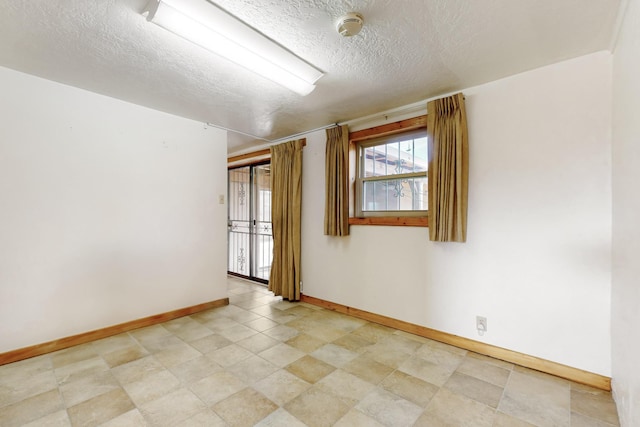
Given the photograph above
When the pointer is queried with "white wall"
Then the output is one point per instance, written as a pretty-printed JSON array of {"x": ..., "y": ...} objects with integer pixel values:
[
  {"x": 108, "y": 211},
  {"x": 625, "y": 308},
  {"x": 537, "y": 262}
]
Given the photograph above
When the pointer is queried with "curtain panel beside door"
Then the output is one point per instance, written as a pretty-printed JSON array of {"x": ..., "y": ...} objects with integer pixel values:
[{"x": 286, "y": 214}]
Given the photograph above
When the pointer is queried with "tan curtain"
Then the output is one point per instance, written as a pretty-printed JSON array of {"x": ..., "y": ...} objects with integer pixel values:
[
  {"x": 448, "y": 169},
  {"x": 286, "y": 201},
  {"x": 336, "y": 206}
]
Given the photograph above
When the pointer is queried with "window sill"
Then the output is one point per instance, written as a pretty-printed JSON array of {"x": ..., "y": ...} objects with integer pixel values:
[{"x": 406, "y": 221}]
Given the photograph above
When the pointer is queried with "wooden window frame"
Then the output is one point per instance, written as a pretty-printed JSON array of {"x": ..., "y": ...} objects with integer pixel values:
[{"x": 357, "y": 137}]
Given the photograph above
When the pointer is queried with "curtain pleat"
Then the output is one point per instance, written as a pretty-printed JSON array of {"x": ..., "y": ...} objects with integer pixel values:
[
  {"x": 286, "y": 204},
  {"x": 336, "y": 207},
  {"x": 448, "y": 169}
]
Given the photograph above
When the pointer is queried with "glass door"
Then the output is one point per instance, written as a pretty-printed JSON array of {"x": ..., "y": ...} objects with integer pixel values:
[{"x": 250, "y": 237}]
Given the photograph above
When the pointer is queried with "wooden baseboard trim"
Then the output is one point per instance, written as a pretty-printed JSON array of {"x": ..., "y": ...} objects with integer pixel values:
[
  {"x": 546, "y": 366},
  {"x": 62, "y": 343}
]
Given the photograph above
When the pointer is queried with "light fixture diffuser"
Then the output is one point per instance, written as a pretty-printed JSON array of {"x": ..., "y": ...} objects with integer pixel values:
[{"x": 215, "y": 30}]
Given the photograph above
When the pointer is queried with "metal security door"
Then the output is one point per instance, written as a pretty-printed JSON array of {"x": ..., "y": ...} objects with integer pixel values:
[{"x": 249, "y": 222}]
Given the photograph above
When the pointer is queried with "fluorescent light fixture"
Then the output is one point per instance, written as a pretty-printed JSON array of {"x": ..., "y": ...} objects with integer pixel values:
[{"x": 214, "y": 29}]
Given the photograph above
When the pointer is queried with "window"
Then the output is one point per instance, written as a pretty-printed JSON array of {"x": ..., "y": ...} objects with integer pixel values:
[{"x": 390, "y": 174}]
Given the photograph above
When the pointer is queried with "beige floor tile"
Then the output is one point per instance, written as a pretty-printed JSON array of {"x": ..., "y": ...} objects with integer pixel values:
[
  {"x": 149, "y": 333},
  {"x": 317, "y": 408},
  {"x": 177, "y": 355},
  {"x": 325, "y": 333},
  {"x": 210, "y": 343},
  {"x": 347, "y": 387},
  {"x": 113, "y": 343},
  {"x": 245, "y": 408},
  {"x": 56, "y": 419},
  {"x": 152, "y": 387},
  {"x": 357, "y": 418},
  {"x": 433, "y": 373},
  {"x": 301, "y": 323},
  {"x": 72, "y": 355},
  {"x": 373, "y": 332},
  {"x": 100, "y": 409},
  {"x": 300, "y": 310},
  {"x": 504, "y": 420},
  {"x": 15, "y": 388},
  {"x": 283, "y": 305},
  {"x": 281, "y": 332},
  {"x": 398, "y": 342},
  {"x": 195, "y": 369},
  {"x": 206, "y": 418},
  {"x": 280, "y": 418},
  {"x": 237, "y": 333},
  {"x": 26, "y": 368},
  {"x": 484, "y": 370},
  {"x": 389, "y": 409},
  {"x": 594, "y": 403},
  {"x": 440, "y": 354},
  {"x": 243, "y": 316},
  {"x": 390, "y": 357},
  {"x": 536, "y": 400},
  {"x": 475, "y": 389},
  {"x": 310, "y": 369},
  {"x": 82, "y": 369},
  {"x": 124, "y": 355},
  {"x": 31, "y": 408},
  {"x": 137, "y": 370},
  {"x": 281, "y": 317},
  {"x": 281, "y": 355},
  {"x": 490, "y": 360},
  {"x": 264, "y": 310},
  {"x": 229, "y": 355},
  {"x": 252, "y": 369},
  {"x": 162, "y": 343},
  {"x": 542, "y": 376},
  {"x": 207, "y": 315},
  {"x": 368, "y": 369},
  {"x": 451, "y": 409},
  {"x": 439, "y": 346},
  {"x": 281, "y": 386},
  {"x": 353, "y": 343},
  {"x": 261, "y": 324},
  {"x": 188, "y": 329},
  {"x": 172, "y": 409},
  {"x": 334, "y": 355},
  {"x": 306, "y": 343},
  {"x": 418, "y": 338},
  {"x": 258, "y": 343},
  {"x": 580, "y": 420},
  {"x": 217, "y": 387},
  {"x": 409, "y": 387},
  {"x": 75, "y": 392},
  {"x": 340, "y": 321},
  {"x": 221, "y": 323},
  {"x": 369, "y": 375},
  {"x": 132, "y": 418}
]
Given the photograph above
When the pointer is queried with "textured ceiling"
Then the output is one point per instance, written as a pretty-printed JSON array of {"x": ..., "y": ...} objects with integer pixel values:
[{"x": 408, "y": 50}]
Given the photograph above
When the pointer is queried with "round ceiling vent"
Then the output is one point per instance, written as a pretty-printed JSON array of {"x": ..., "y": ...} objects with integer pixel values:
[{"x": 350, "y": 24}]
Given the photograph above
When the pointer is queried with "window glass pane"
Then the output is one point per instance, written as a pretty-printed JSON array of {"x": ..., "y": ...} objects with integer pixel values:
[
  {"x": 400, "y": 156},
  {"x": 395, "y": 195},
  {"x": 420, "y": 154}
]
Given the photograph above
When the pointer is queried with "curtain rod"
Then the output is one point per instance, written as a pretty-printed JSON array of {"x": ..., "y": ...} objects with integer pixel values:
[{"x": 405, "y": 109}]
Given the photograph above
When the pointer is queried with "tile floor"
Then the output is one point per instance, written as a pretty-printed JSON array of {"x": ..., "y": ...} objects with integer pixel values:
[{"x": 262, "y": 361}]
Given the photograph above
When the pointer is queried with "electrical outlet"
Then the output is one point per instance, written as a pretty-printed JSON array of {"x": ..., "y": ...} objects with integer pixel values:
[{"x": 481, "y": 325}]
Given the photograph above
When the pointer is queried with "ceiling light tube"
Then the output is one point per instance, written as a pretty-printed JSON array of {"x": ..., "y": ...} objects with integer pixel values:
[{"x": 215, "y": 30}]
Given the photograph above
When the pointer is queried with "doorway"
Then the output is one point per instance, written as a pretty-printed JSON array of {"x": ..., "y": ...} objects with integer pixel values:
[{"x": 250, "y": 236}]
